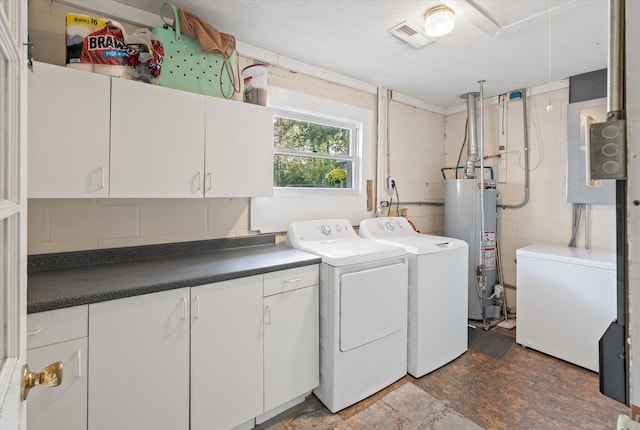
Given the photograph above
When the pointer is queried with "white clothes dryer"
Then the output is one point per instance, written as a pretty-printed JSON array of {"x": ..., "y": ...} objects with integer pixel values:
[
  {"x": 363, "y": 310},
  {"x": 437, "y": 332}
]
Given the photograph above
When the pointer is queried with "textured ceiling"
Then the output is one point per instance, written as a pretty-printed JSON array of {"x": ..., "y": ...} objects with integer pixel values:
[{"x": 351, "y": 37}]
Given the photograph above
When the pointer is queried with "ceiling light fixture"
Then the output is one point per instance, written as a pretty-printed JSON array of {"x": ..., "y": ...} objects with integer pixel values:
[{"x": 439, "y": 21}]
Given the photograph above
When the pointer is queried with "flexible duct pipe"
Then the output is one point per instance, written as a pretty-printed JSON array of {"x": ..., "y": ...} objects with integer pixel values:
[
  {"x": 525, "y": 199},
  {"x": 615, "y": 71},
  {"x": 472, "y": 146}
]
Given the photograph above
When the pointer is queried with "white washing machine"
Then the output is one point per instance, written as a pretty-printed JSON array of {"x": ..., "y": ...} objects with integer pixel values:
[
  {"x": 437, "y": 332},
  {"x": 363, "y": 310}
]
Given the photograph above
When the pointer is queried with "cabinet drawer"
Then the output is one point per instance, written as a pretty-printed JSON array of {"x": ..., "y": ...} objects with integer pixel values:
[
  {"x": 290, "y": 279},
  {"x": 46, "y": 328}
]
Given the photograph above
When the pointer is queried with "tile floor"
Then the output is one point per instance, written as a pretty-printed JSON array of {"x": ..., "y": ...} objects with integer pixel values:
[{"x": 524, "y": 390}]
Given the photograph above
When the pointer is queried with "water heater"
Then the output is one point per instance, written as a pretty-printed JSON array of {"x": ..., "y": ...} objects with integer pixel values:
[{"x": 463, "y": 220}]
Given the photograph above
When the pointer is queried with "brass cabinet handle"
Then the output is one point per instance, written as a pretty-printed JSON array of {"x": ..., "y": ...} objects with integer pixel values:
[{"x": 50, "y": 376}]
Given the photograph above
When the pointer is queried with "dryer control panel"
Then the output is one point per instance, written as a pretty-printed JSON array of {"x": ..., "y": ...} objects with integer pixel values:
[{"x": 320, "y": 230}]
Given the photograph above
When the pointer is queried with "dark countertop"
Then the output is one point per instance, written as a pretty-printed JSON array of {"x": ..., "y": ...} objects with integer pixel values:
[{"x": 72, "y": 286}]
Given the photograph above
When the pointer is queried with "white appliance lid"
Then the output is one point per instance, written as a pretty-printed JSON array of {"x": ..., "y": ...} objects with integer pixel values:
[
  {"x": 337, "y": 243},
  {"x": 596, "y": 258},
  {"x": 398, "y": 231}
]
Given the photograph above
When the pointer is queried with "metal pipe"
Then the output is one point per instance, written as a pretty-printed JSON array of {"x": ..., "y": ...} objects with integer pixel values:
[
  {"x": 615, "y": 71},
  {"x": 422, "y": 203},
  {"x": 482, "y": 221},
  {"x": 587, "y": 228},
  {"x": 386, "y": 139},
  {"x": 472, "y": 145},
  {"x": 525, "y": 199},
  {"x": 381, "y": 120}
]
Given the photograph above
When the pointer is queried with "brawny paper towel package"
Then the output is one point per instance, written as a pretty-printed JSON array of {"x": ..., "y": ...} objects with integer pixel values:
[{"x": 78, "y": 27}]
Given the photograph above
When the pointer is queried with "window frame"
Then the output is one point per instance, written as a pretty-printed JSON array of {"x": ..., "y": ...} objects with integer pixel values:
[
  {"x": 355, "y": 147},
  {"x": 289, "y": 204}
]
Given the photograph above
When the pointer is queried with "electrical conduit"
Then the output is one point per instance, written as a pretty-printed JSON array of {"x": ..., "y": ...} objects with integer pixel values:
[{"x": 525, "y": 199}]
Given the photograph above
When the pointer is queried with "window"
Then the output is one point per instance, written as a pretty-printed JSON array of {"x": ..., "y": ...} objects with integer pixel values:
[
  {"x": 316, "y": 177},
  {"x": 312, "y": 151}
]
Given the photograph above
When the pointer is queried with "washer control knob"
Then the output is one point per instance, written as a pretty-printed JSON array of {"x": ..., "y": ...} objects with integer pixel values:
[
  {"x": 338, "y": 228},
  {"x": 325, "y": 229},
  {"x": 391, "y": 225}
]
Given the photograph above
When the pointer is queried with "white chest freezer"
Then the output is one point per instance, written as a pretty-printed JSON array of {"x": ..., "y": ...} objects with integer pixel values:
[{"x": 565, "y": 300}]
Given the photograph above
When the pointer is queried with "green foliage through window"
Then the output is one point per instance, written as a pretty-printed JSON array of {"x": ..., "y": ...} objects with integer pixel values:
[{"x": 312, "y": 154}]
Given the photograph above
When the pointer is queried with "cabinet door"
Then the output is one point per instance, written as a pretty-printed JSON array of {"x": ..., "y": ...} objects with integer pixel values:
[
  {"x": 68, "y": 134},
  {"x": 291, "y": 345},
  {"x": 65, "y": 406},
  {"x": 226, "y": 353},
  {"x": 139, "y": 362},
  {"x": 157, "y": 141},
  {"x": 239, "y": 149}
]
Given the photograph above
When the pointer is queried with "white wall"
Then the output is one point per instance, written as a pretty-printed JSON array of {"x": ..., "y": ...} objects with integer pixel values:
[
  {"x": 416, "y": 154},
  {"x": 547, "y": 216}
]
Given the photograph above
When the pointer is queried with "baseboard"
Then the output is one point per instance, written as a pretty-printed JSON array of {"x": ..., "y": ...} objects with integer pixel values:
[{"x": 280, "y": 409}]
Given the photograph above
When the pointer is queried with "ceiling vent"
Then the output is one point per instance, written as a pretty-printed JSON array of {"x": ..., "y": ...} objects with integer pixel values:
[{"x": 411, "y": 33}]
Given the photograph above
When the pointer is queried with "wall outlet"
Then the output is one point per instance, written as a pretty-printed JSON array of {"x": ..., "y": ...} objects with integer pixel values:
[{"x": 390, "y": 183}]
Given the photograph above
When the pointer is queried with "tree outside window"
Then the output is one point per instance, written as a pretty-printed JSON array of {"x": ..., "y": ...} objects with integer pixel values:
[{"x": 313, "y": 153}]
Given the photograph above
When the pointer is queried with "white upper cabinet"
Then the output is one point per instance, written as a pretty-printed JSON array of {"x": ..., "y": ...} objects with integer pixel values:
[
  {"x": 68, "y": 132},
  {"x": 94, "y": 136},
  {"x": 157, "y": 141},
  {"x": 239, "y": 149}
]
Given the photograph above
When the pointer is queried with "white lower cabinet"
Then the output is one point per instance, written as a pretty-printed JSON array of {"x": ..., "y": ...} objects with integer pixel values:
[
  {"x": 139, "y": 362},
  {"x": 215, "y": 356},
  {"x": 291, "y": 337},
  {"x": 58, "y": 336},
  {"x": 226, "y": 353}
]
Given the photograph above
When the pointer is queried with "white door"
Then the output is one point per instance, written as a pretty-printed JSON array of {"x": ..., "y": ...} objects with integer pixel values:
[
  {"x": 139, "y": 362},
  {"x": 13, "y": 210},
  {"x": 373, "y": 304},
  {"x": 157, "y": 141},
  {"x": 239, "y": 149},
  {"x": 291, "y": 345},
  {"x": 226, "y": 353},
  {"x": 68, "y": 117}
]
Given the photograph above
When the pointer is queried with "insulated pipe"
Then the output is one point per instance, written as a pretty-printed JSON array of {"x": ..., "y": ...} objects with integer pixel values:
[
  {"x": 525, "y": 199},
  {"x": 472, "y": 146}
]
